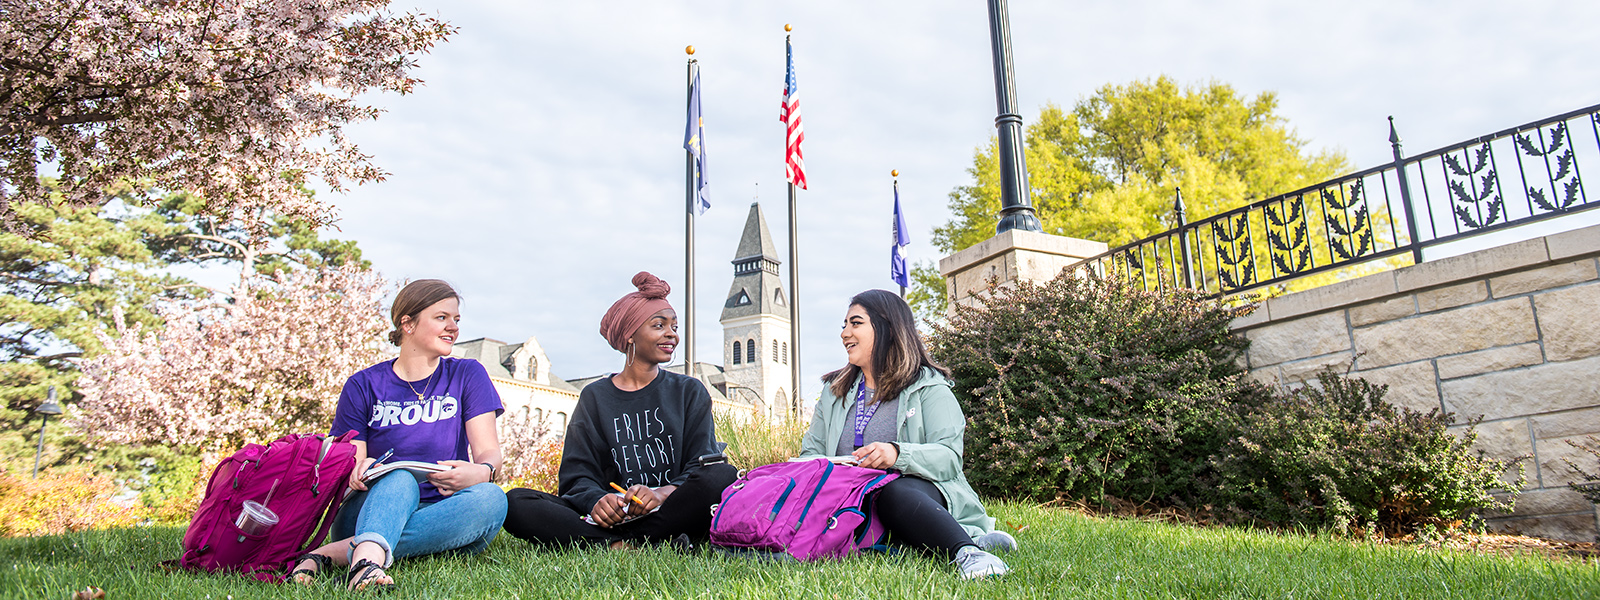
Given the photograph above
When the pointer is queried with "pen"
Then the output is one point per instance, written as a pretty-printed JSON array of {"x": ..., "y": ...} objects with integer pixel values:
[
  {"x": 625, "y": 493},
  {"x": 385, "y": 457}
]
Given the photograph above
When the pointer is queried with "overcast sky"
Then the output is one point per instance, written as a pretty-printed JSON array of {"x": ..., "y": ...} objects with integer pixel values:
[{"x": 541, "y": 164}]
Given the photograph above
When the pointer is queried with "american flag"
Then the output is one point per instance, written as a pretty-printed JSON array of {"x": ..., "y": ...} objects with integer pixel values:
[{"x": 794, "y": 164}]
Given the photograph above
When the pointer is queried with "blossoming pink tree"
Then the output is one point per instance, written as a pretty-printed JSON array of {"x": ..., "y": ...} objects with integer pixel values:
[
  {"x": 220, "y": 374},
  {"x": 238, "y": 101},
  {"x": 532, "y": 453}
]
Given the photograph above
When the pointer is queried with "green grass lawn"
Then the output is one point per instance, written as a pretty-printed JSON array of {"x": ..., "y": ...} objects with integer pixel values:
[{"x": 1063, "y": 555}]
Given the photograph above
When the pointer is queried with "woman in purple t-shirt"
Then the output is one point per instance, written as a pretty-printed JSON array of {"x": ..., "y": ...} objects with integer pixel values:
[{"x": 422, "y": 406}]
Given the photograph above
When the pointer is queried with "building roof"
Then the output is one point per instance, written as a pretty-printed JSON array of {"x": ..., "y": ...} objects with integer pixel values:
[
  {"x": 486, "y": 351},
  {"x": 496, "y": 358},
  {"x": 756, "y": 288},
  {"x": 756, "y": 241}
]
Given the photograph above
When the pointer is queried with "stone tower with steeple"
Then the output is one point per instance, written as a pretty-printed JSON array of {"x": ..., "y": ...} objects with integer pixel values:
[{"x": 755, "y": 323}]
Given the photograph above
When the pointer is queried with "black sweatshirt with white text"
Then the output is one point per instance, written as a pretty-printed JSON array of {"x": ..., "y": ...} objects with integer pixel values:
[{"x": 654, "y": 436}]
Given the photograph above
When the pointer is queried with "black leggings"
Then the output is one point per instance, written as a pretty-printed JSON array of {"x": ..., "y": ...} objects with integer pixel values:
[
  {"x": 548, "y": 520},
  {"x": 913, "y": 511}
]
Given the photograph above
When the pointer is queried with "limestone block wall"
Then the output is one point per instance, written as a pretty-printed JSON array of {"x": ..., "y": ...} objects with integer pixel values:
[
  {"x": 1509, "y": 334},
  {"x": 1008, "y": 257}
]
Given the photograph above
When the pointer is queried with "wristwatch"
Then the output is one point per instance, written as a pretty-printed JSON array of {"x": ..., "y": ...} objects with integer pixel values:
[{"x": 493, "y": 472}]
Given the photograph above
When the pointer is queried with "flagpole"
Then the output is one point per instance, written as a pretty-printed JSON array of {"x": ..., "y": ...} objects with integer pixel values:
[
  {"x": 794, "y": 302},
  {"x": 794, "y": 272},
  {"x": 896, "y": 175},
  {"x": 688, "y": 236}
]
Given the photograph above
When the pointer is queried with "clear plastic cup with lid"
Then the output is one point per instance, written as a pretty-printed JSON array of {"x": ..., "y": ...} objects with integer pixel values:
[{"x": 255, "y": 518}]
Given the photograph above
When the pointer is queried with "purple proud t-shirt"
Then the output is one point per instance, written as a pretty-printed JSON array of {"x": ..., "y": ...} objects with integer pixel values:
[{"x": 385, "y": 412}]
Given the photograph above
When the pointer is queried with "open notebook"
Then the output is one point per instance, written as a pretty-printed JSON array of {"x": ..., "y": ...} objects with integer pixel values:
[
  {"x": 416, "y": 467},
  {"x": 838, "y": 460}
]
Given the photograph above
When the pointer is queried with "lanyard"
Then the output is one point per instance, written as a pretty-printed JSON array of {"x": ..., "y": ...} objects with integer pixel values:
[{"x": 863, "y": 414}]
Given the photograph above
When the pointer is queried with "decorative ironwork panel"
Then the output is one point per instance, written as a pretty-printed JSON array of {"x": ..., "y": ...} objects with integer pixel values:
[{"x": 1506, "y": 179}]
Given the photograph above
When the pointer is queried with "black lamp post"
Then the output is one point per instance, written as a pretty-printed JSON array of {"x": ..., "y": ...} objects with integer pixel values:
[
  {"x": 46, "y": 410},
  {"x": 1016, "y": 209}
]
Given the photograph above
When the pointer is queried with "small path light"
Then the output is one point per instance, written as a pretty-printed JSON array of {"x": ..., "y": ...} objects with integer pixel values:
[{"x": 46, "y": 410}]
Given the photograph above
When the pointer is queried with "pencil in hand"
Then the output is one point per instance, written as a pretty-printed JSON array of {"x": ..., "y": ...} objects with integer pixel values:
[{"x": 624, "y": 493}]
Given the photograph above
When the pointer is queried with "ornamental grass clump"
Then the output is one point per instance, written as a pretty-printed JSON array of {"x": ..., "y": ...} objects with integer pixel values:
[
  {"x": 1087, "y": 387},
  {"x": 1335, "y": 455},
  {"x": 756, "y": 439}
]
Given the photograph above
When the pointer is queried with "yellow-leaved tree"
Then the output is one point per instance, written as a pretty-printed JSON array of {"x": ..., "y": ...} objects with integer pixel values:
[{"x": 1106, "y": 169}]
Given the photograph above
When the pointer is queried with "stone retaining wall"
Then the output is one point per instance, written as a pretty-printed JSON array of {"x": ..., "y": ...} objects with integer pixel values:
[{"x": 1510, "y": 334}]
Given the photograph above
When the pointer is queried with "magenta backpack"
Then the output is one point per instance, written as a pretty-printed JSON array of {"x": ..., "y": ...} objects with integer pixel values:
[
  {"x": 809, "y": 510},
  {"x": 301, "y": 478}
]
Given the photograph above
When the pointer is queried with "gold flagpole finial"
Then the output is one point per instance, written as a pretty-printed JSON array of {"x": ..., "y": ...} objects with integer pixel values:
[
  {"x": 894, "y": 173},
  {"x": 689, "y": 50},
  {"x": 788, "y": 27}
]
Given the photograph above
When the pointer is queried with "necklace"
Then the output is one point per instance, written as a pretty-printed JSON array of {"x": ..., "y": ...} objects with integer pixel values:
[{"x": 425, "y": 384}]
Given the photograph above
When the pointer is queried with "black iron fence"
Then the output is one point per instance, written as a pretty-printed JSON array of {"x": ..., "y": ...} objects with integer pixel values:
[{"x": 1506, "y": 179}]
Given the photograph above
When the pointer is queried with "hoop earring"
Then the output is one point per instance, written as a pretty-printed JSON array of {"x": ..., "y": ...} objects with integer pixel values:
[{"x": 629, "y": 362}]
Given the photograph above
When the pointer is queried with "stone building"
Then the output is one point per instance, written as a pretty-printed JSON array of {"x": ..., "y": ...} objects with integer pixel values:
[
  {"x": 755, "y": 325},
  {"x": 521, "y": 374}
]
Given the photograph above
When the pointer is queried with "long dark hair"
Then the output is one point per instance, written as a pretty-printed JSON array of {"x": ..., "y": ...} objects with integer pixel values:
[{"x": 898, "y": 354}]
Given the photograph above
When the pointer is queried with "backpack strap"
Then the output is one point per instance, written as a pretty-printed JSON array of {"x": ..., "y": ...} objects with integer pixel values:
[
  {"x": 338, "y": 499},
  {"x": 327, "y": 445},
  {"x": 327, "y": 523}
]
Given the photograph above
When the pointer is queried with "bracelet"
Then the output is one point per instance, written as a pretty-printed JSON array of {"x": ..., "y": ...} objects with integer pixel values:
[{"x": 493, "y": 472}]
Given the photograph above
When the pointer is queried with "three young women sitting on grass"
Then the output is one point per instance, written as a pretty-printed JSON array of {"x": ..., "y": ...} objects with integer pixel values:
[
  {"x": 631, "y": 471},
  {"x": 420, "y": 406},
  {"x": 644, "y": 430},
  {"x": 891, "y": 407}
]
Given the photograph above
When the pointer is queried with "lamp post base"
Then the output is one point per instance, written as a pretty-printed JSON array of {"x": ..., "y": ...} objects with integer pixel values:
[{"x": 1018, "y": 218}]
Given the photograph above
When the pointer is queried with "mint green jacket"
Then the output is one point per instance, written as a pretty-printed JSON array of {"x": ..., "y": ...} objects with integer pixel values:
[{"x": 930, "y": 436}]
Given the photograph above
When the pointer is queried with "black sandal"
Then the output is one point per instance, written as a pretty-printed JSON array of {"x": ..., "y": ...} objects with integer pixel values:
[
  {"x": 319, "y": 563},
  {"x": 361, "y": 577}
]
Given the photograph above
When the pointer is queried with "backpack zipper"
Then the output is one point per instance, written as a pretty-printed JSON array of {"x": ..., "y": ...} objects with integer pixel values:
[
  {"x": 777, "y": 506},
  {"x": 717, "y": 520},
  {"x": 316, "y": 469},
  {"x": 820, "y": 481},
  {"x": 866, "y": 523}
]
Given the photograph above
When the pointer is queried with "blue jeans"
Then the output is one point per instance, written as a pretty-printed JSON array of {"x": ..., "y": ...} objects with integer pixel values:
[{"x": 390, "y": 514}]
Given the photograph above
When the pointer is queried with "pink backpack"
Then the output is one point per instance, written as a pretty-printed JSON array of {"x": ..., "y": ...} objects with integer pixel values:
[
  {"x": 809, "y": 510},
  {"x": 301, "y": 478}
]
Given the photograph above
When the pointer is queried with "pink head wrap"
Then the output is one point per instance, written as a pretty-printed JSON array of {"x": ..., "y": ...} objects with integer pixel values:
[{"x": 629, "y": 313}]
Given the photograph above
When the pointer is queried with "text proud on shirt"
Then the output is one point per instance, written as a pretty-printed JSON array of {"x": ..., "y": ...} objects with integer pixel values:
[{"x": 413, "y": 411}]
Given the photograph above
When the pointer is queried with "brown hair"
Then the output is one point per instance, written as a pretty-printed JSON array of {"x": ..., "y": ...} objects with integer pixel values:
[
  {"x": 898, "y": 354},
  {"x": 414, "y": 298}
]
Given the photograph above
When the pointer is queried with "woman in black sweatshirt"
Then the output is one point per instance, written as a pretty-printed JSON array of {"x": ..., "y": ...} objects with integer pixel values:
[{"x": 642, "y": 429}]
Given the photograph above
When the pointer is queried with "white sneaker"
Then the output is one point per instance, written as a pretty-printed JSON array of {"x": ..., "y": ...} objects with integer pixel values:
[
  {"x": 996, "y": 541},
  {"x": 977, "y": 564}
]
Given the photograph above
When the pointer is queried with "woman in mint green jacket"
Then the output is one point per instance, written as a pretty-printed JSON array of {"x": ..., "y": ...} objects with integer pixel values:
[{"x": 891, "y": 408}]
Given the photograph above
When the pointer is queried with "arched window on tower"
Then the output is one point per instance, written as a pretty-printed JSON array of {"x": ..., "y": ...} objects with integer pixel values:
[
  {"x": 738, "y": 353},
  {"x": 750, "y": 351},
  {"x": 774, "y": 350},
  {"x": 786, "y": 353},
  {"x": 561, "y": 416}
]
